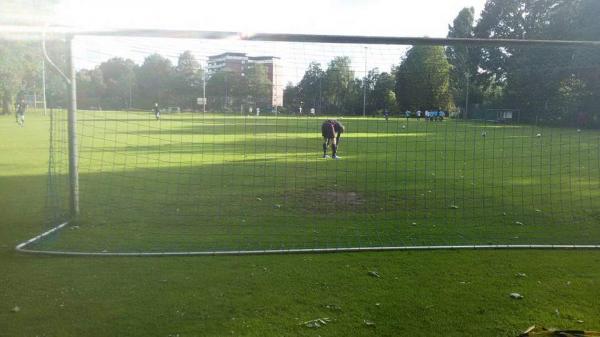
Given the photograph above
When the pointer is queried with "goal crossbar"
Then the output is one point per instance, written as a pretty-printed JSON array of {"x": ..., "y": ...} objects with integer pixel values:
[{"x": 306, "y": 38}]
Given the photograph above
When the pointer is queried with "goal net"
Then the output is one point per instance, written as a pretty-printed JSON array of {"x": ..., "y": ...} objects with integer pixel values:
[{"x": 241, "y": 164}]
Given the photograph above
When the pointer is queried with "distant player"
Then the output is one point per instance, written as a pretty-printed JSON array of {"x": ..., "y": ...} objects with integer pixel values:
[
  {"x": 386, "y": 114},
  {"x": 419, "y": 115},
  {"x": 20, "y": 113},
  {"x": 156, "y": 111},
  {"x": 331, "y": 130}
]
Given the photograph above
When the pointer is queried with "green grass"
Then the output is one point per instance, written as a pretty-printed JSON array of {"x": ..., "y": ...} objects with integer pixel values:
[
  {"x": 451, "y": 293},
  {"x": 213, "y": 182}
]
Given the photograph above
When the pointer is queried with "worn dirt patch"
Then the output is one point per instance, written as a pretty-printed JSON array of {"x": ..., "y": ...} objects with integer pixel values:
[
  {"x": 343, "y": 198},
  {"x": 327, "y": 201}
]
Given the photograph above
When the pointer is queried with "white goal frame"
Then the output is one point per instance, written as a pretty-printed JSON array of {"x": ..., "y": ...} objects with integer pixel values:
[{"x": 70, "y": 78}]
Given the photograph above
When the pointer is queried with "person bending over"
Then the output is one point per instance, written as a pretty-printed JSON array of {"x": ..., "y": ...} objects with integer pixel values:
[{"x": 331, "y": 130}]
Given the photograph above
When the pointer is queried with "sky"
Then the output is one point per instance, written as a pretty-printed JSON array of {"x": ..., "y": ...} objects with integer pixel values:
[
  {"x": 354, "y": 17},
  {"x": 344, "y": 17}
]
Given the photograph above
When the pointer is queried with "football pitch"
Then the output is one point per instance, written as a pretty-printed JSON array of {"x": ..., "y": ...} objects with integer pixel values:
[
  {"x": 206, "y": 182},
  {"x": 227, "y": 183}
]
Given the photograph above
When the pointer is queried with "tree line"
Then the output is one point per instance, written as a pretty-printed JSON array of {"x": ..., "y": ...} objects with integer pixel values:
[
  {"x": 337, "y": 90},
  {"x": 546, "y": 84},
  {"x": 122, "y": 84},
  {"x": 20, "y": 72},
  {"x": 119, "y": 83},
  {"x": 552, "y": 85}
]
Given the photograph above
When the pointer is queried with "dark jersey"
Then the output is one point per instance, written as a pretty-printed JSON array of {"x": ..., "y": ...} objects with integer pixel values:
[
  {"x": 328, "y": 129},
  {"x": 338, "y": 127}
]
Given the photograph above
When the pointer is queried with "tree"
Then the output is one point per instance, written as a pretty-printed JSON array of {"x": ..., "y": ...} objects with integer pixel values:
[
  {"x": 20, "y": 71},
  {"x": 570, "y": 99},
  {"x": 353, "y": 100},
  {"x": 118, "y": 80},
  {"x": 227, "y": 90},
  {"x": 90, "y": 89},
  {"x": 584, "y": 25},
  {"x": 390, "y": 100},
  {"x": 310, "y": 88},
  {"x": 154, "y": 82},
  {"x": 258, "y": 86},
  {"x": 533, "y": 78},
  {"x": 291, "y": 98},
  {"x": 339, "y": 84},
  {"x": 188, "y": 80},
  {"x": 518, "y": 70},
  {"x": 379, "y": 97},
  {"x": 423, "y": 79},
  {"x": 217, "y": 90},
  {"x": 11, "y": 72},
  {"x": 464, "y": 60}
]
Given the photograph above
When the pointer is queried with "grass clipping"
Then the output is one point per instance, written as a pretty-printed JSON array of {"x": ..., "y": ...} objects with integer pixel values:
[{"x": 543, "y": 332}]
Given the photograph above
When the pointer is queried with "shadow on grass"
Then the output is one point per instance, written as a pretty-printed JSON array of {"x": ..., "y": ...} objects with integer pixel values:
[
  {"x": 245, "y": 207},
  {"x": 451, "y": 186}
]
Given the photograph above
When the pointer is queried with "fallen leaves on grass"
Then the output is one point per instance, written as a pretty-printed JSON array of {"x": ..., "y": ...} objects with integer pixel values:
[
  {"x": 543, "y": 332},
  {"x": 316, "y": 323},
  {"x": 369, "y": 323},
  {"x": 333, "y": 307},
  {"x": 516, "y": 296}
]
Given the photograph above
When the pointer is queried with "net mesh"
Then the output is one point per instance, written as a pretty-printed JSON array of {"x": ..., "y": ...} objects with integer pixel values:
[{"x": 232, "y": 179}]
